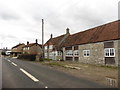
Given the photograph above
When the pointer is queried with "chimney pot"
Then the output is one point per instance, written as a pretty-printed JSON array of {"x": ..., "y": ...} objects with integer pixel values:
[
  {"x": 36, "y": 41},
  {"x": 67, "y": 31},
  {"x": 27, "y": 42},
  {"x": 51, "y": 36}
]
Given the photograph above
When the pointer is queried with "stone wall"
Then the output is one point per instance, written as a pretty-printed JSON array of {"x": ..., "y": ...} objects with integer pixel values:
[
  {"x": 116, "y": 43},
  {"x": 96, "y": 53}
]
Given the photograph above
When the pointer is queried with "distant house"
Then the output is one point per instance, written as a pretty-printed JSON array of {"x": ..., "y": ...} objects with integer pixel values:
[
  {"x": 32, "y": 48},
  {"x": 0, "y": 52},
  {"x": 99, "y": 45},
  {"x": 53, "y": 47},
  {"x": 18, "y": 49}
]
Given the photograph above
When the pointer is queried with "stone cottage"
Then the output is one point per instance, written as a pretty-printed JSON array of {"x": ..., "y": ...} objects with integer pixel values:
[
  {"x": 99, "y": 45},
  {"x": 53, "y": 47},
  {"x": 32, "y": 48},
  {"x": 18, "y": 49}
]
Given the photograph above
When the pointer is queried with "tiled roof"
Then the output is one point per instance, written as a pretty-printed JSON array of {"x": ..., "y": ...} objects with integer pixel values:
[
  {"x": 18, "y": 45},
  {"x": 54, "y": 41},
  {"x": 101, "y": 33},
  {"x": 31, "y": 44}
]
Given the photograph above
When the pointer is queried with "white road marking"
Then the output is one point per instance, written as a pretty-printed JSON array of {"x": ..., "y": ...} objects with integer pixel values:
[
  {"x": 14, "y": 64},
  {"x": 29, "y": 75},
  {"x": 46, "y": 87},
  {"x": 9, "y": 61}
]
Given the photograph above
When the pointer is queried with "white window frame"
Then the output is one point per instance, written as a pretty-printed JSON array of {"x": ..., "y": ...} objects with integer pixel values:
[
  {"x": 86, "y": 53},
  {"x": 69, "y": 53},
  {"x": 76, "y": 53},
  {"x": 28, "y": 48},
  {"x": 45, "y": 54},
  {"x": 59, "y": 53},
  {"x": 50, "y": 54},
  {"x": 51, "y": 47},
  {"x": 23, "y": 48},
  {"x": 107, "y": 52},
  {"x": 46, "y": 47}
]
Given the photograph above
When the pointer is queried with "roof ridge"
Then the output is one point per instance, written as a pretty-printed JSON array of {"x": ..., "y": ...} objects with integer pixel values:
[
  {"x": 101, "y": 33},
  {"x": 96, "y": 27},
  {"x": 58, "y": 36}
]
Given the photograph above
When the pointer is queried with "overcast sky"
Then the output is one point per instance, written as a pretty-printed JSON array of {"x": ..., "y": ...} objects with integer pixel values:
[{"x": 20, "y": 20}]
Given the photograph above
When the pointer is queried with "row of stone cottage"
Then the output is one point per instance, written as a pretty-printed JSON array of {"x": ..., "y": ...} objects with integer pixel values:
[
  {"x": 29, "y": 48},
  {"x": 99, "y": 45}
]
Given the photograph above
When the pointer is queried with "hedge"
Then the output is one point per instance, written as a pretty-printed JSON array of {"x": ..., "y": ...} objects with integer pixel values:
[{"x": 30, "y": 57}]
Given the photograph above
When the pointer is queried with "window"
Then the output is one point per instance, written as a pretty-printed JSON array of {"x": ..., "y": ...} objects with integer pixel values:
[
  {"x": 76, "y": 53},
  {"x": 45, "y": 47},
  {"x": 69, "y": 53},
  {"x": 51, "y": 54},
  {"x": 51, "y": 47},
  {"x": 54, "y": 53},
  {"x": 28, "y": 48},
  {"x": 86, "y": 53},
  {"x": 45, "y": 54},
  {"x": 109, "y": 52},
  {"x": 59, "y": 53},
  {"x": 23, "y": 48}
]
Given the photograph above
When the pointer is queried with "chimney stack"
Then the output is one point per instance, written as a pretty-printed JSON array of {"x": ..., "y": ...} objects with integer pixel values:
[
  {"x": 51, "y": 36},
  {"x": 67, "y": 31},
  {"x": 36, "y": 41},
  {"x": 27, "y": 42}
]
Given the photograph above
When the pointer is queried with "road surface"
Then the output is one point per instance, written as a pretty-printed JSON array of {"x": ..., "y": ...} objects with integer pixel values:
[{"x": 25, "y": 74}]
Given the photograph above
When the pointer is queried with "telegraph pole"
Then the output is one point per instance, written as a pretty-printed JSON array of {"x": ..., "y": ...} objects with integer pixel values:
[{"x": 43, "y": 38}]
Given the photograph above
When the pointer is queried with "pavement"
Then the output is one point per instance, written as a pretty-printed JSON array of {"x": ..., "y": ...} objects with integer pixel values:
[{"x": 24, "y": 74}]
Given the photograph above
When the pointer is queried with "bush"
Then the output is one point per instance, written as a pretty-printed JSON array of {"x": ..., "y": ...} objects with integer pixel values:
[{"x": 30, "y": 57}]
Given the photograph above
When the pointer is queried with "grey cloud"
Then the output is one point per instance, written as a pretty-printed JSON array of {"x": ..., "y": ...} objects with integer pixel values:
[
  {"x": 8, "y": 16},
  {"x": 4, "y": 37}
]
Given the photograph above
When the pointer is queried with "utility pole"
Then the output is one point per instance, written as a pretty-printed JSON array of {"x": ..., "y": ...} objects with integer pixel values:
[{"x": 43, "y": 38}]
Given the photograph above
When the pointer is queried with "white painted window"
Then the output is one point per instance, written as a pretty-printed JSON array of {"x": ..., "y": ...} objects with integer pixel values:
[
  {"x": 23, "y": 48},
  {"x": 54, "y": 53},
  {"x": 51, "y": 47},
  {"x": 45, "y": 47},
  {"x": 76, "y": 53},
  {"x": 45, "y": 54},
  {"x": 28, "y": 48},
  {"x": 109, "y": 52},
  {"x": 51, "y": 54},
  {"x": 59, "y": 53},
  {"x": 69, "y": 53},
  {"x": 86, "y": 53}
]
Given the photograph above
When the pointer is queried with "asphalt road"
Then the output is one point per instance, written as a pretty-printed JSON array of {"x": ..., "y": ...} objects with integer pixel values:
[{"x": 25, "y": 74}]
